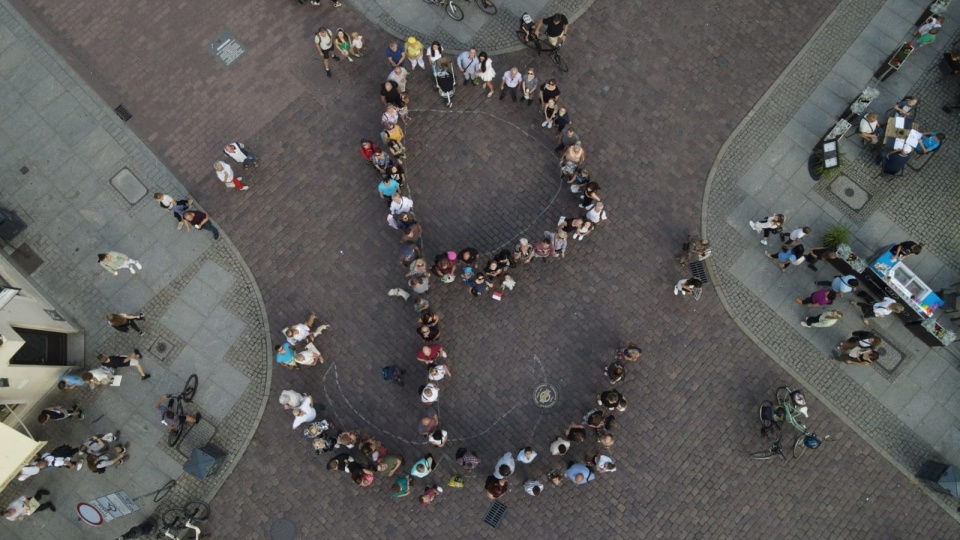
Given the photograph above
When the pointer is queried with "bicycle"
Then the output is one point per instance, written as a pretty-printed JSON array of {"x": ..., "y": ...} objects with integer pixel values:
[
  {"x": 178, "y": 519},
  {"x": 189, "y": 390},
  {"x": 486, "y": 6},
  {"x": 771, "y": 430},
  {"x": 790, "y": 406},
  {"x": 452, "y": 9},
  {"x": 533, "y": 41}
]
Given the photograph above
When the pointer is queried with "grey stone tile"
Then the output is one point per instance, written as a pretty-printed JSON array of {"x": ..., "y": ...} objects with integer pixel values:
[
  {"x": 756, "y": 178},
  {"x": 800, "y": 134},
  {"x": 231, "y": 380},
  {"x": 217, "y": 277},
  {"x": 93, "y": 143},
  {"x": 916, "y": 410},
  {"x": 833, "y": 101},
  {"x": 200, "y": 296},
  {"x": 208, "y": 345},
  {"x": 907, "y": 11},
  {"x": 215, "y": 401},
  {"x": 82, "y": 244},
  {"x": 771, "y": 196},
  {"x": 816, "y": 119},
  {"x": 53, "y": 207},
  {"x": 753, "y": 270},
  {"x": 868, "y": 54},
  {"x": 794, "y": 160},
  {"x": 189, "y": 249},
  {"x": 868, "y": 378},
  {"x": 182, "y": 320},
  {"x": 50, "y": 158},
  {"x": 190, "y": 362},
  {"x": 76, "y": 127},
  {"x": 900, "y": 393},
  {"x": 59, "y": 109},
  {"x": 780, "y": 146},
  {"x": 855, "y": 72},
  {"x": 132, "y": 296},
  {"x": 27, "y": 75},
  {"x": 945, "y": 387},
  {"x": 34, "y": 137},
  {"x": 748, "y": 209},
  {"x": 12, "y": 56},
  {"x": 935, "y": 425},
  {"x": 949, "y": 445},
  {"x": 224, "y": 324},
  {"x": 891, "y": 23},
  {"x": 875, "y": 229},
  {"x": 43, "y": 92},
  {"x": 169, "y": 466}
]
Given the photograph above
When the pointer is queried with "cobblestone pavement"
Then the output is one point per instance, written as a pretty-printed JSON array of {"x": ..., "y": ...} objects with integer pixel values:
[{"x": 654, "y": 90}]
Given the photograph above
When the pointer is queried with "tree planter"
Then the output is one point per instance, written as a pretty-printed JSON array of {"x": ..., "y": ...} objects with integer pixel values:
[{"x": 893, "y": 63}]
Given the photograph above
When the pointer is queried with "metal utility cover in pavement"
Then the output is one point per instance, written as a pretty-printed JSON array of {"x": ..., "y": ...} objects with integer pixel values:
[
  {"x": 699, "y": 270},
  {"x": 129, "y": 186},
  {"x": 849, "y": 192},
  {"x": 226, "y": 48},
  {"x": 545, "y": 395},
  {"x": 495, "y": 514}
]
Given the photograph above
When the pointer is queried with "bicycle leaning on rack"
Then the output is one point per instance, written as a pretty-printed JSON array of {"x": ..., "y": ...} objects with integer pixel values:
[
  {"x": 175, "y": 404},
  {"x": 790, "y": 406},
  {"x": 529, "y": 37},
  {"x": 176, "y": 520}
]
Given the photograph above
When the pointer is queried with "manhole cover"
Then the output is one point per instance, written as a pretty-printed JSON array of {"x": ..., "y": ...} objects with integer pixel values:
[
  {"x": 161, "y": 348},
  {"x": 545, "y": 395},
  {"x": 849, "y": 192},
  {"x": 283, "y": 529}
]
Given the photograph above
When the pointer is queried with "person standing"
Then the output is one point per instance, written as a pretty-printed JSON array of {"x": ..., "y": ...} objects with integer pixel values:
[
  {"x": 511, "y": 80},
  {"x": 124, "y": 322},
  {"x": 903, "y": 250},
  {"x": 240, "y": 154},
  {"x": 486, "y": 72},
  {"x": 580, "y": 474},
  {"x": 434, "y": 55},
  {"x": 414, "y": 50},
  {"x": 395, "y": 54},
  {"x": 468, "y": 64},
  {"x": 21, "y": 507},
  {"x": 557, "y": 27},
  {"x": 549, "y": 92},
  {"x": 566, "y": 138},
  {"x": 114, "y": 261},
  {"x": 342, "y": 40},
  {"x": 323, "y": 41},
  {"x": 225, "y": 175},
  {"x": 199, "y": 220},
  {"x": 399, "y": 77}
]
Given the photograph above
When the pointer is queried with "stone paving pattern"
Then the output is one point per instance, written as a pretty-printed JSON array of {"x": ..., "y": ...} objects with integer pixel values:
[
  {"x": 199, "y": 297},
  {"x": 651, "y": 133}
]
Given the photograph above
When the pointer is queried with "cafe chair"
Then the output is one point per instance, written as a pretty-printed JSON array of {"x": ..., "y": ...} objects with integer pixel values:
[
  {"x": 923, "y": 158},
  {"x": 951, "y": 298}
]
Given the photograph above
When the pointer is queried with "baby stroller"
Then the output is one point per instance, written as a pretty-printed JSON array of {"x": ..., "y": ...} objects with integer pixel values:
[{"x": 446, "y": 83}]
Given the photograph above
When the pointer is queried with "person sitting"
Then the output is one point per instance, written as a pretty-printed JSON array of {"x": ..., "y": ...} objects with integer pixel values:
[
  {"x": 687, "y": 286},
  {"x": 895, "y": 160},
  {"x": 527, "y": 26},
  {"x": 906, "y": 107},
  {"x": 870, "y": 130},
  {"x": 930, "y": 141}
]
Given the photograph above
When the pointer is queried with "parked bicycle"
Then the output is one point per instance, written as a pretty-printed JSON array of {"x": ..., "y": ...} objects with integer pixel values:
[
  {"x": 790, "y": 406},
  {"x": 486, "y": 6},
  {"x": 452, "y": 9},
  {"x": 176, "y": 420},
  {"x": 529, "y": 37},
  {"x": 176, "y": 520}
]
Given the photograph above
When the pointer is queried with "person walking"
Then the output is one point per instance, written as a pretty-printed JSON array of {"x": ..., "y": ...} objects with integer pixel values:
[
  {"x": 841, "y": 284},
  {"x": 881, "y": 309},
  {"x": 324, "y": 42},
  {"x": 468, "y": 64},
  {"x": 793, "y": 236},
  {"x": 199, "y": 220},
  {"x": 510, "y": 82},
  {"x": 225, "y": 175},
  {"x": 486, "y": 72},
  {"x": 824, "y": 320},
  {"x": 819, "y": 254},
  {"x": 116, "y": 362},
  {"x": 821, "y": 297},
  {"x": 342, "y": 40},
  {"x": 59, "y": 412},
  {"x": 123, "y": 322},
  {"x": 178, "y": 207},
  {"x": 23, "y": 507},
  {"x": 114, "y": 261},
  {"x": 768, "y": 225},
  {"x": 788, "y": 256},
  {"x": 241, "y": 154}
]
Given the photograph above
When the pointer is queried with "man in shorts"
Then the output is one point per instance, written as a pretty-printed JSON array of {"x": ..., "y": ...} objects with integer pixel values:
[
  {"x": 557, "y": 27},
  {"x": 117, "y": 362},
  {"x": 169, "y": 416}
]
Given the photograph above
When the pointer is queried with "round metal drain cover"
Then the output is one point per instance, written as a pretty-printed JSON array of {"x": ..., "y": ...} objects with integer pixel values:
[
  {"x": 283, "y": 529},
  {"x": 545, "y": 395}
]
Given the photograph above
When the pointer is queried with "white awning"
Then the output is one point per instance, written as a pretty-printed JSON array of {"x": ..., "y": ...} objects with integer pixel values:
[{"x": 16, "y": 449}]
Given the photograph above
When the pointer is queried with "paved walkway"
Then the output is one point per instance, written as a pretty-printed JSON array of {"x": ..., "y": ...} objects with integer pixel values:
[
  {"x": 312, "y": 231},
  {"x": 908, "y": 404},
  {"x": 203, "y": 308}
]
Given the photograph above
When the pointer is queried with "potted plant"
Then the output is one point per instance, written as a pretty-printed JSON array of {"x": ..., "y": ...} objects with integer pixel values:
[
  {"x": 835, "y": 236},
  {"x": 819, "y": 171}
]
